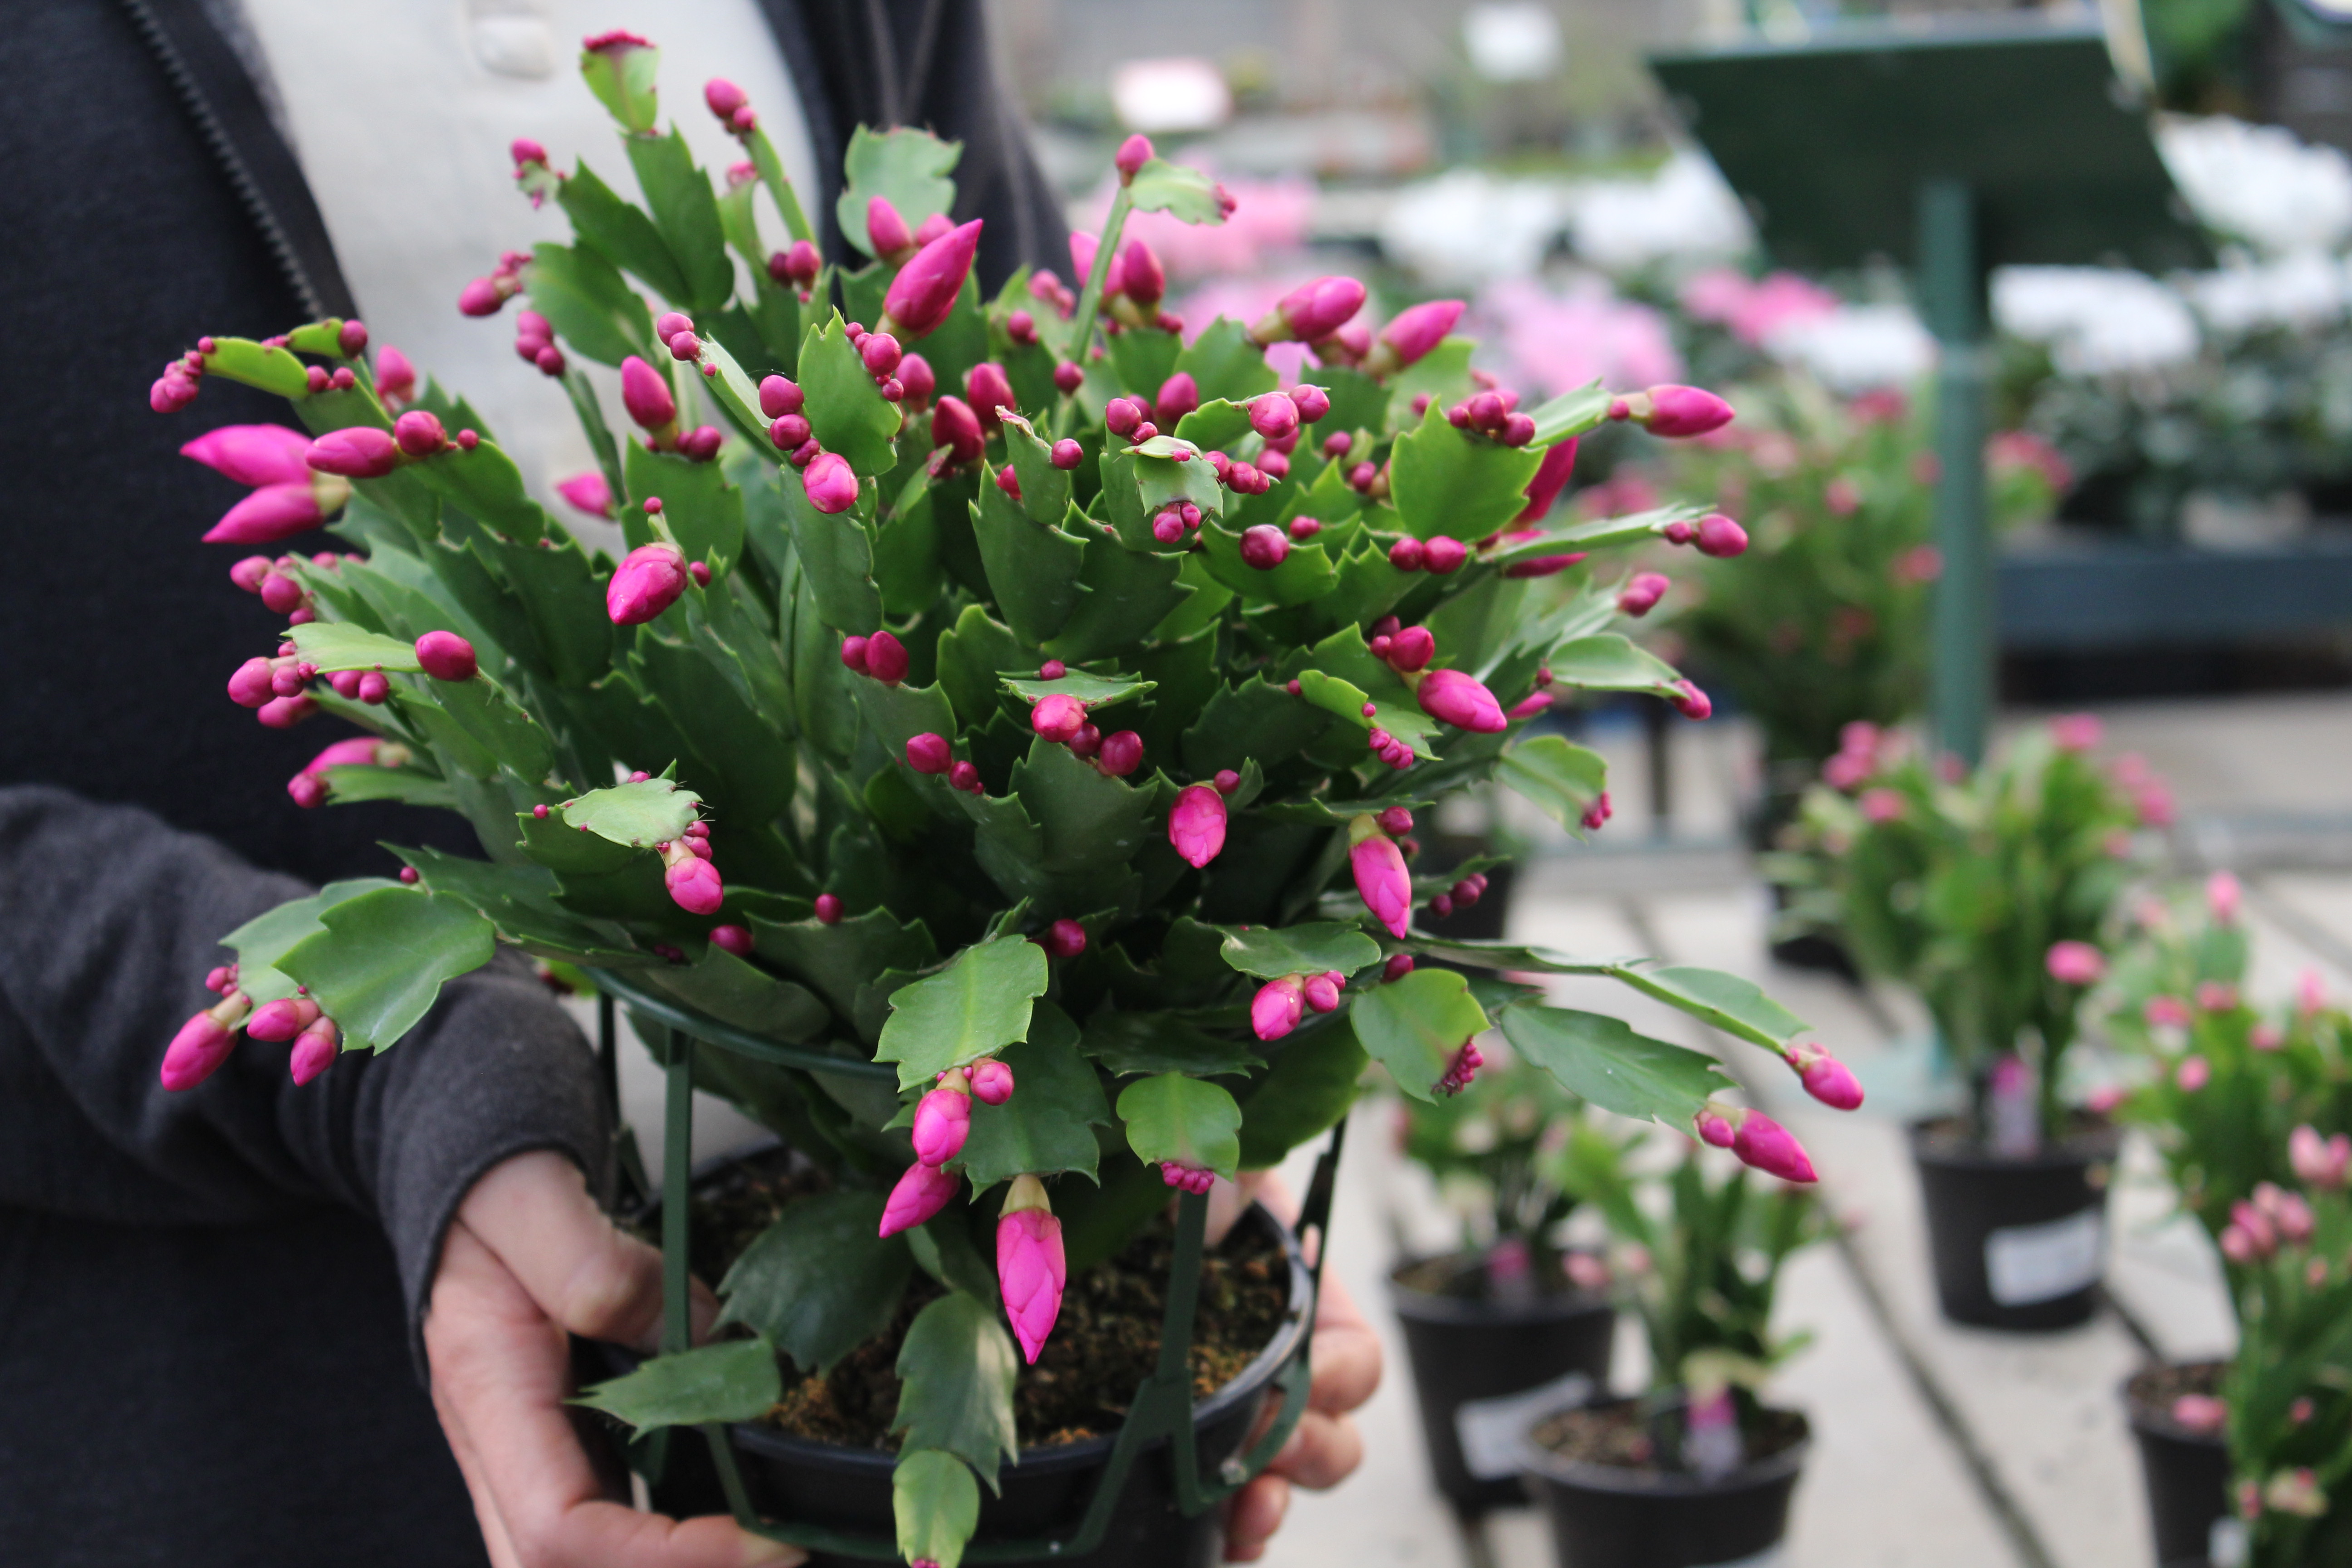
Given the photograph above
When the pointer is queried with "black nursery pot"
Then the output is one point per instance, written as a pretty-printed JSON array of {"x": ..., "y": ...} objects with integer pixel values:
[
  {"x": 2018, "y": 1243},
  {"x": 1482, "y": 1369},
  {"x": 2187, "y": 1472},
  {"x": 1044, "y": 1495},
  {"x": 1609, "y": 1516}
]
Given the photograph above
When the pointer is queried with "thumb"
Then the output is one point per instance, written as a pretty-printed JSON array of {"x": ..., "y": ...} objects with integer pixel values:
[{"x": 534, "y": 1212}]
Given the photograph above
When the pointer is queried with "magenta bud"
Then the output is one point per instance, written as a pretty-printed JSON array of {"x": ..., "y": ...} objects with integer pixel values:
[
  {"x": 723, "y": 97},
  {"x": 956, "y": 428},
  {"x": 1411, "y": 649},
  {"x": 1227, "y": 781},
  {"x": 881, "y": 354},
  {"x": 1415, "y": 331},
  {"x": 445, "y": 656},
  {"x": 374, "y": 687},
  {"x": 988, "y": 389},
  {"x": 942, "y": 1121},
  {"x": 1264, "y": 546},
  {"x": 1322, "y": 992},
  {"x": 921, "y": 1193},
  {"x": 1141, "y": 277},
  {"x": 1008, "y": 480},
  {"x": 1068, "y": 377},
  {"x": 1133, "y": 153},
  {"x": 1408, "y": 554},
  {"x": 1718, "y": 536},
  {"x": 1454, "y": 698},
  {"x": 307, "y": 790},
  {"x": 1068, "y": 454},
  {"x": 1762, "y": 1142},
  {"x": 732, "y": 939},
  {"x": 694, "y": 885},
  {"x": 1641, "y": 593},
  {"x": 287, "y": 680},
  {"x": 887, "y": 234},
  {"x": 1678, "y": 532},
  {"x": 853, "y": 654},
  {"x": 1121, "y": 754},
  {"x": 917, "y": 381},
  {"x": 1022, "y": 327},
  {"x": 828, "y": 908},
  {"x": 282, "y": 1019},
  {"x": 1087, "y": 741},
  {"x": 925, "y": 290},
  {"x": 482, "y": 297},
  {"x": 1179, "y": 396},
  {"x": 524, "y": 149},
  {"x": 1274, "y": 416},
  {"x": 1443, "y": 555},
  {"x": 314, "y": 1051},
  {"x": 1714, "y": 1126},
  {"x": 992, "y": 1082},
  {"x": 831, "y": 485},
  {"x": 1278, "y": 1008},
  {"x": 1065, "y": 938},
  {"x": 886, "y": 658},
  {"x": 683, "y": 345},
  {"x": 1196, "y": 824},
  {"x": 1052, "y": 669},
  {"x": 351, "y": 337},
  {"x": 1825, "y": 1077},
  {"x": 1381, "y": 880},
  {"x": 1312, "y": 311},
  {"x": 965, "y": 777},
  {"x": 1057, "y": 718},
  {"x": 1313, "y": 403},
  {"x": 1030, "y": 1268},
  {"x": 790, "y": 434},
  {"x": 196, "y": 1052},
  {"x": 649, "y": 580},
  {"x": 271, "y": 513},
  {"x": 1597, "y": 814},
  {"x": 780, "y": 396},
  {"x": 1691, "y": 702},
  {"x": 1123, "y": 415},
  {"x": 359, "y": 453},
  {"x": 283, "y": 595},
  {"x": 646, "y": 395},
  {"x": 285, "y": 712},
  {"x": 346, "y": 684},
  {"x": 800, "y": 263},
  {"x": 1685, "y": 411},
  {"x": 395, "y": 376},
  {"x": 701, "y": 443},
  {"x": 253, "y": 454},
  {"x": 929, "y": 753},
  {"x": 1517, "y": 430},
  {"x": 1168, "y": 527},
  {"x": 933, "y": 227},
  {"x": 419, "y": 433}
]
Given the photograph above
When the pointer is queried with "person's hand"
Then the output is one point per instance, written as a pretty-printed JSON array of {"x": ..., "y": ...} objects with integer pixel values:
[
  {"x": 529, "y": 1259},
  {"x": 1326, "y": 1448}
]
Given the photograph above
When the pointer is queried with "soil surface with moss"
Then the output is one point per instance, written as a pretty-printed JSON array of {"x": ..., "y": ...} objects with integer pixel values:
[
  {"x": 1620, "y": 1437},
  {"x": 1105, "y": 1344}
]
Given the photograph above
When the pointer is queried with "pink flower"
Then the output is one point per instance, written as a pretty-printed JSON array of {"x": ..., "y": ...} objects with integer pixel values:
[
  {"x": 1641, "y": 593},
  {"x": 956, "y": 428},
  {"x": 2215, "y": 995},
  {"x": 1381, "y": 880},
  {"x": 2222, "y": 896},
  {"x": 693, "y": 882},
  {"x": 1555, "y": 342},
  {"x": 2310, "y": 992},
  {"x": 1755, "y": 308},
  {"x": 943, "y": 1120},
  {"x": 1882, "y": 806},
  {"x": 649, "y": 580},
  {"x": 1196, "y": 824},
  {"x": 1057, "y": 718},
  {"x": 1030, "y": 1270},
  {"x": 1714, "y": 1125},
  {"x": 2320, "y": 1162},
  {"x": 2076, "y": 964},
  {"x": 924, "y": 290},
  {"x": 587, "y": 492},
  {"x": 2077, "y": 731},
  {"x": 2155, "y": 806},
  {"x": 922, "y": 1191},
  {"x": 1278, "y": 1007},
  {"x": 1457, "y": 698},
  {"x": 2166, "y": 1012},
  {"x": 2199, "y": 1413},
  {"x": 2193, "y": 1074}
]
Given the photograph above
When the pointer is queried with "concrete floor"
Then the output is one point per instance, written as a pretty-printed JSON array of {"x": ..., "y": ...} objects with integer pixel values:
[{"x": 1935, "y": 1446}]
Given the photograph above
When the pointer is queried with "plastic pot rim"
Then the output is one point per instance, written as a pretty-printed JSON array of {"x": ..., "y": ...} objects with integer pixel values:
[
  {"x": 1431, "y": 1307},
  {"x": 1585, "y": 1475}
]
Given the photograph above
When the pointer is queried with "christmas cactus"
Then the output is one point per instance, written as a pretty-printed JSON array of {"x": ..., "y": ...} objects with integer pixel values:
[{"x": 1023, "y": 693}]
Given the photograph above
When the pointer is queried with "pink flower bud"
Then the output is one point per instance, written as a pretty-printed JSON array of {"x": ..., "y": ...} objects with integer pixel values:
[
  {"x": 1443, "y": 555},
  {"x": 922, "y": 1191},
  {"x": 2319, "y": 1162},
  {"x": 1398, "y": 966},
  {"x": 701, "y": 443},
  {"x": 1064, "y": 938},
  {"x": 965, "y": 777},
  {"x": 1312, "y": 310},
  {"x": 1685, "y": 411},
  {"x": 285, "y": 712},
  {"x": 1825, "y": 1077},
  {"x": 886, "y": 658},
  {"x": 2193, "y": 1074},
  {"x": 887, "y": 234},
  {"x": 1133, "y": 153},
  {"x": 1641, "y": 593},
  {"x": 253, "y": 684},
  {"x": 1551, "y": 477},
  {"x": 485, "y": 296},
  {"x": 1381, "y": 880},
  {"x": 1057, "y": 718},
  {"x": 927, "y": 754},
  {"x": 395, "y": 376},
  {"x": 418, "y": 434},
  {"x": 1186, "y": 1178},
  {"x": 832, "y": 484},
  {"x": 1066, "y": 454},
  {"x": 1762, "y": 1142},
  {"x": 694, "y": 885},
  {"x": 1265, "y": 547},
  {"x": 1123, "y": 415},
  {"x": 992, "y": 1082},
  {"x": 1322, "y": 991},
  {"x": 1141, "y": 277},
  {"x": 1030, "y": 1268},
  {"x": 1597, "y": 814},
  {"x": 2223, "y": 895},
  {"x": 649, "y": 580},
  {"x": 1278, "y": 1007},
  {"x": 1274, "y": 416},
  {"x": 934, "y": 228},
  {"x": 957, "y": 428},
  {"x": 828, "y": 908},
  {"x": 1196, "y": 824},
  {"x": 723, "y": 97},
  {"x": 1415, "y": 332},
  {"x": 359, "y": 453},
  {"x": 1451, "y": 696},
  {"x": 646, "y": 395},
  {"x": 732, "y": 938},
  {"x": 201, "y": 1044},
  {"x": 942, "y": 1121},
  {"x": 282, "y": 1019},
  {"x": 987, "y": 390},
  {"x": 1692, "y": 703},
  {"x": 1411, "y": 649},
  {"x": 926, "y": 287},
  {"x": 1407, "y": 554},
  {"x": 880, "y": 353},
  {"x": 374, "y": 687},
  {"x": 2076, "y": 964},
  {"x": 271, "y": 513},
  {"x": 253, "y": 454},
  {"x": 1720, "y": 537},
  {"x": 2077, "y": 731},
  {"x": 445, "y": 656},
  {"x": 1068, "y": 377},
  {"x": 1121, "y": 754},
  {"x": 1179, "y": 396},
  {"x": 800, "y": 264},
  {"x": 314, "y": 1051},
  {"x": 587, "y": 492}
]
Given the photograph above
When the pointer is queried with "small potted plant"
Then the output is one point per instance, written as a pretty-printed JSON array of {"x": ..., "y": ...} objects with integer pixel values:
[
  {"x": 987, "y": 765},
  {"x": 2234, "y": 1097},
  {"x": 1511, "y": 1321},
  {"x": 1987, "y": 894},
  {"x": 2286, "y": 1395},
  {"x": 1697, "y": 1468}
]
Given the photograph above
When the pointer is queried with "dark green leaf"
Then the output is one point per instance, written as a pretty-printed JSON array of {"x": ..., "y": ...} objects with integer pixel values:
[
  {"x": 934, "y": 1501},
  {"x": 1448, "y": 481},
  {"x": 1225, "y": 363},
  {"x": 1122, "y": 595},
  {"x": 845, "y": 410},
  {"x": 736, "y": 1380},
  {"x": 1174, "y": 1117},
  {"x": 382, "y": 958},
  {"x": 1044, "y": 488},
  {"x": 1216, "y": 423},
  {"x": 1093, "y": 690},
  {"x": 745, "y": 995},
  {"x": 978, "y": 1005},
  {"x": 1089, "y": 819},
  {"x": 969, "y": 657},
  {"x": 1270, "y": 952},
  {"x": 1735, "y": 1005},
  {"x": 521, "y": 901},
  {"x": 1304, "y": 574},
  {"x": 350, "y": 786},
  {"x": 640, "y": 815},
  {"x": 499, "y": 724},
  {"x": 1607, "y": 662},
  {"x": 621, "y": 233},
  {"x": 704, "y": 513},
  {"x": 820, "y": 1281},
  {"x": 1563, "y": 779},
  {"x": 585, "y": 300},
  {"x": 262, "y": 941},
  {"x": 956, "y": 1371},
  {"x": 836, "y": 559},
  {"x": 686, "y": 215},
  {"x": 1033, "y": 568},
  {"x": 1415, "y": 1025},
  {"x": 1128, "y": 1043},
  {"x": 1311, "y": 1086},
  {"x": 839, "y": 958},
  {"x": 1044, "y": 1128},
  {"x": 1258, "y": 718},
  {"x": 1443, "y": 375},
  {"x": 1603, "y": 1060}
]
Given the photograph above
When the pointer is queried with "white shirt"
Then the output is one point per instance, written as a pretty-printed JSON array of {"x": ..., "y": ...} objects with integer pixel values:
[{"x": 400, "y": 112}]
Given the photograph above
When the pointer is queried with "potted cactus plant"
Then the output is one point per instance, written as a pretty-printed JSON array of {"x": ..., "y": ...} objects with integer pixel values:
[
  {"x": 1988, "y": 893},
  {"x": 1697, "y": 1469},
  {"x": 987, "y": 765},
  {"x": 1511, "y": 1320}
]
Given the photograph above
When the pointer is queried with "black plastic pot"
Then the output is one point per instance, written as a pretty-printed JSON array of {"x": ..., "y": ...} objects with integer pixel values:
[
  {"x": 2188, "y": 1476},
  {"x": 1482, "y": 1370},
  {"x": 1046, "y": 1493},
  {"x": 1606, "y": 1516},
  {"x": 2018, "y": 1243}
]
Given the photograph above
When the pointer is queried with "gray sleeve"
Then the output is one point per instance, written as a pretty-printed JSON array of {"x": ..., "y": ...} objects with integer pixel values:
[{"x": 108, "y": 920}]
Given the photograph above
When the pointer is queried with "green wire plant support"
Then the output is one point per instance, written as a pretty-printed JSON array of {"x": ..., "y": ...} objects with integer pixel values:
[{"x": 1162, "y": 1406}]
